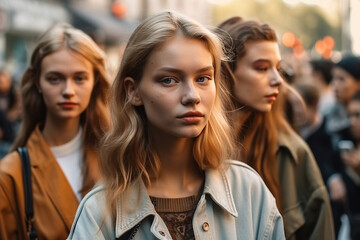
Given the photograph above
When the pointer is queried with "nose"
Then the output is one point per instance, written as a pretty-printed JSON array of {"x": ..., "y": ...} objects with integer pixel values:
[
  {"x": 276, "y": 79},
  {"x": 190, "y": 94},
  {"x": 68, "y": 90}
]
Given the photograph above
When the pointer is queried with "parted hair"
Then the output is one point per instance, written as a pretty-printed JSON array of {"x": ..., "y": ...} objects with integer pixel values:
[
  {"x": 127, "y": 152},
  {"x": 242, "y": 32},
  {"x": 258, "y": 135},
  {"x": 95, "y": 119}
]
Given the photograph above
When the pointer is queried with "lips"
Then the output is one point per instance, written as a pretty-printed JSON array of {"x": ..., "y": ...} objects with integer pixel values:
[
  {"x": 271, "y": 97},
  {"x": 68, "y": 105},
  {"x": 192, "y": 117},
  {"x": 192, "y": 114}
]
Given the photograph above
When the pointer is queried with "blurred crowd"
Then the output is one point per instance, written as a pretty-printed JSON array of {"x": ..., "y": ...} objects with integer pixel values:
[
  {"x": 10, "y": 110},
  {"x": 325, "y": 110}
]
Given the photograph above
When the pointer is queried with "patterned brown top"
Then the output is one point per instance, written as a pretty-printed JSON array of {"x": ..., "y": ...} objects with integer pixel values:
[{"x": 177, "y": 214}]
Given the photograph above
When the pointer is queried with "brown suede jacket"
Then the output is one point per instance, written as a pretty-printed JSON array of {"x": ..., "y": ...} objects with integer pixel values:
[{"x": 55, "y": 203}]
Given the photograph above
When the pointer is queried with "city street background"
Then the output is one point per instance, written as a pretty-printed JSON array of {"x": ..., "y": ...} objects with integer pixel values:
[{"x": 306, "y": 29}]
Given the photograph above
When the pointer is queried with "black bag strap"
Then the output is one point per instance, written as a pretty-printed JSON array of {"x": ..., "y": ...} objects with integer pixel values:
[{"x": 29, "y": 208}]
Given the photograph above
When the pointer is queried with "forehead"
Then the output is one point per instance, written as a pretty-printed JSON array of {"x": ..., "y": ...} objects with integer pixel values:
[
  {"x": 65, "y": 60},
  {"x": 261, "y": 48},
  {"x": 178, "y": 50}
]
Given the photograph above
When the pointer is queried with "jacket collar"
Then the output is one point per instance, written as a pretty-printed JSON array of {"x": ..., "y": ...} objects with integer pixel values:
[
  {"x": 217, "y": 186},
  {"x": 134, "y": 204},
  {"x": 44, "y": 165},
  {"x": 39, "y": 147},
  {"x": 286, "y": 141}
]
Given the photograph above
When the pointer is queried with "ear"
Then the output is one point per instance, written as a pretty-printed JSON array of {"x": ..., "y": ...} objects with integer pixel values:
[{"x": 132, "y": 91}]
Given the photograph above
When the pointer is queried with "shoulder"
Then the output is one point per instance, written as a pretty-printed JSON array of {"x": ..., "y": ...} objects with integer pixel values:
[
  {"x": 241, "y": 176},
  {"x": 10, "y": 164},
  {"x": 94, "y": 202},
  {"x": 93, "y": 220},
  {"x": 236, "y": 167},
  {"x": 11, "y": 179},
  {"x": 295, "y": 146},
  {"x": 250, "y": 197},
  {"x": 295, "y": 156}
]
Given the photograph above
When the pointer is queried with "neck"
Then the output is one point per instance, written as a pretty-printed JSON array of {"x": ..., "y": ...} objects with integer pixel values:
[
  {"x": 60, "y": 132},
  {"x": 179, "y": 174}
]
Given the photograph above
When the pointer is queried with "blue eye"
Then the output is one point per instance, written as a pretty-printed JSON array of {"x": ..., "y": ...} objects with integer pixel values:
[
  {"x": 53, "y": 79},
  {"x": 79, "y": 78},
  {"x": 203, "y": 79},
  {"x": 168, "y": 80},
  {"x": 262, "y": 69}
]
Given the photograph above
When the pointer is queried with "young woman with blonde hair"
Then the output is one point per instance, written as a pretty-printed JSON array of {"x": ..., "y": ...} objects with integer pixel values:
[
  {"x": 65, "y": 94},
  {"x": 164, "y": 161},
  {"x": 267, "y": 141}
]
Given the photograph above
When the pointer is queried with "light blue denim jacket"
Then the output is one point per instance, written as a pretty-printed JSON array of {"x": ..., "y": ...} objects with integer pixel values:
[{"x": 235, "y": 204}]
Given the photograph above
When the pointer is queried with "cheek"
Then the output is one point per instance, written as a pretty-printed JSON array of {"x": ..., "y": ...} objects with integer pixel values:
[
  {"x": 208, "y": 97},
  {"x": 247, "y": 89},
  {"x": 86, "y": 91},
  {"x": 239, "y": 89},
  {"x": 340, "y": 87},
  {"x": 356, "y": 128},
  {"x": 345, "y": 86},
  {"x": 49, "y": 95},
  {"x": 157, "y": 105}
]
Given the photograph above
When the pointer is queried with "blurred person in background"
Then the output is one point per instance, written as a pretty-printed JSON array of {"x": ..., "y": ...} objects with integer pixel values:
[
  {"x": 350, "y": 155},
  {"x": 290, "y": 77},
  {"x": 345, "y": 82},
  {"x": 65, "y": 95},
  {"x": 268, "y": 143},
  {"x": 10, "y": 111},
  {"x": 311, "y": 125},
  {"x": 321, "y": 74}
]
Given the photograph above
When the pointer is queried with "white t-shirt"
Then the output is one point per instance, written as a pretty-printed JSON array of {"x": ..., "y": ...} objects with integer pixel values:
[{"x": 70, "y": 158}]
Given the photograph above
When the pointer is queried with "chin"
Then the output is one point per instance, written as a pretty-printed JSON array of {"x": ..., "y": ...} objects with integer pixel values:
[
  {"x": 190, "y": 134},
  {"x": 261, "y": 107},
  {"x": 69, "y": 116},
  {"x": 264, "y": 109}
]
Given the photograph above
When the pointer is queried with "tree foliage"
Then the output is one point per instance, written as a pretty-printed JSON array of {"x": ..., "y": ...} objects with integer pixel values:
[{"x": 308, "y": 22}]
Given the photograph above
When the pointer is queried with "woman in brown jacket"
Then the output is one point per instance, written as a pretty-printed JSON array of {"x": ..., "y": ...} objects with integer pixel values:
[
  {"x": 267, "y": 141},
  {"x": 64, "y": 94}
]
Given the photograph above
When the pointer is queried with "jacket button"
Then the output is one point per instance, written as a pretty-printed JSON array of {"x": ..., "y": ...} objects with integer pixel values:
[
  {"x": 162, "y": 233},
  {"x": 205, "y": 226}
]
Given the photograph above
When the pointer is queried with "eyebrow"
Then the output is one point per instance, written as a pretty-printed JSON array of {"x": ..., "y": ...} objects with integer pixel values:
[
  {"x": 266, "y": 60},
  {"x": 60, "y": 73},
  {"x": 175, "y": 70}
]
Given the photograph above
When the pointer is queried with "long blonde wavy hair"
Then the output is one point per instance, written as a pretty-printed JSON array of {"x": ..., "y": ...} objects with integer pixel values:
[
  {"x": 95, "y": 119},
  {"x": 127, "y": 152}
]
